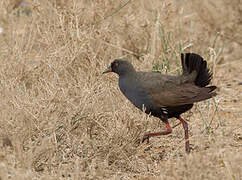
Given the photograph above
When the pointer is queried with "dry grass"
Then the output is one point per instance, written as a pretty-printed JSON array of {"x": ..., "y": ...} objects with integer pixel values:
[{"x": 62, "y": 119}]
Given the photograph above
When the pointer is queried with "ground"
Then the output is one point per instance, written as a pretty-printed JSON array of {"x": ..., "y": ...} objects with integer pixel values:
[{"x": 61, "y": 118}]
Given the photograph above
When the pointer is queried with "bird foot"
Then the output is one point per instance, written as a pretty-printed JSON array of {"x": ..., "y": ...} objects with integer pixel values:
[
  {"x": 146, "y": 137},
  {"x": 188, "y": 150}
]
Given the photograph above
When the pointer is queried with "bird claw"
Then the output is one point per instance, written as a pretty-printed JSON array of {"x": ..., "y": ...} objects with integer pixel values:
[{"x": 145, "y": 137}]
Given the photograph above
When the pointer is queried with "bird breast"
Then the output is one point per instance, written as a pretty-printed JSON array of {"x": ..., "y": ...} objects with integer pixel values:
[{"x": 136, "y": 94}]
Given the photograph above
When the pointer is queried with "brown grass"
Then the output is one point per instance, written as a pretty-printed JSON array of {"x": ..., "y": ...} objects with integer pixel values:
[{"x": 62, "y": 119}]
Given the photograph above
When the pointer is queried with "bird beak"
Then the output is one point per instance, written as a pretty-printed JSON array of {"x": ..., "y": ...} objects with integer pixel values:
[{"x": 109, "y": 69}]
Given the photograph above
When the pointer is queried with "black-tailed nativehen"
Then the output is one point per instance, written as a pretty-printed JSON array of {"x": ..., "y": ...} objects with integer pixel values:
[{"x": 166, "y": 96}]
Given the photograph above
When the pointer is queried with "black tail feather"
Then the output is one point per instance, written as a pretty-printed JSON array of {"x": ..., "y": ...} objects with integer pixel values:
[{"x": 191, "y": 62}]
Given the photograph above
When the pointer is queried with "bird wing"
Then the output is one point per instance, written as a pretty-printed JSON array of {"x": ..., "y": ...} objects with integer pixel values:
[{"x": 169, "y": 91}]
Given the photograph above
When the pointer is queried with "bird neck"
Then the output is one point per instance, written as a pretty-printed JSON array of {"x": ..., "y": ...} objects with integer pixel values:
[{"x": 128, "y": 72}]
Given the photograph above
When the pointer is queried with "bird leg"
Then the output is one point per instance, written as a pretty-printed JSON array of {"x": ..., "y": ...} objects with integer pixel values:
[
  {"x": 185, "y": 127},
  {"x": 168, "y": 131}
]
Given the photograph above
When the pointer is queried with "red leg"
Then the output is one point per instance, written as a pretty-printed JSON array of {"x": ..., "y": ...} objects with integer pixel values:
[
  {"x": 185, "y": 126},
  {"x": 168, "y": 131}
]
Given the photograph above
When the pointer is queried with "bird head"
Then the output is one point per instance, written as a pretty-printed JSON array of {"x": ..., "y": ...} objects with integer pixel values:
[{"x": 121, "y": 67}]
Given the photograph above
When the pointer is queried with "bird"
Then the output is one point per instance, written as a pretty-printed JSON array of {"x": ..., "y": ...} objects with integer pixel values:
[{"x": 166, "y": 96}]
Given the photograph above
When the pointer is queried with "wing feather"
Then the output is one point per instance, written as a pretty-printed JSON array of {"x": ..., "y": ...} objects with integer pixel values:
[{"x": 169, "y": 91}]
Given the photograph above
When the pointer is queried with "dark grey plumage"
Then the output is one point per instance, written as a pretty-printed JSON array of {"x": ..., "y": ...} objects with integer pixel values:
[{"x": 166, "y": 96}]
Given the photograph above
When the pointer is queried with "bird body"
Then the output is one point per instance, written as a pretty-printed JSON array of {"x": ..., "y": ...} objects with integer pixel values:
[
  {"x": 166, "y": 96},
  {"x": 136, "y": 93}
]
